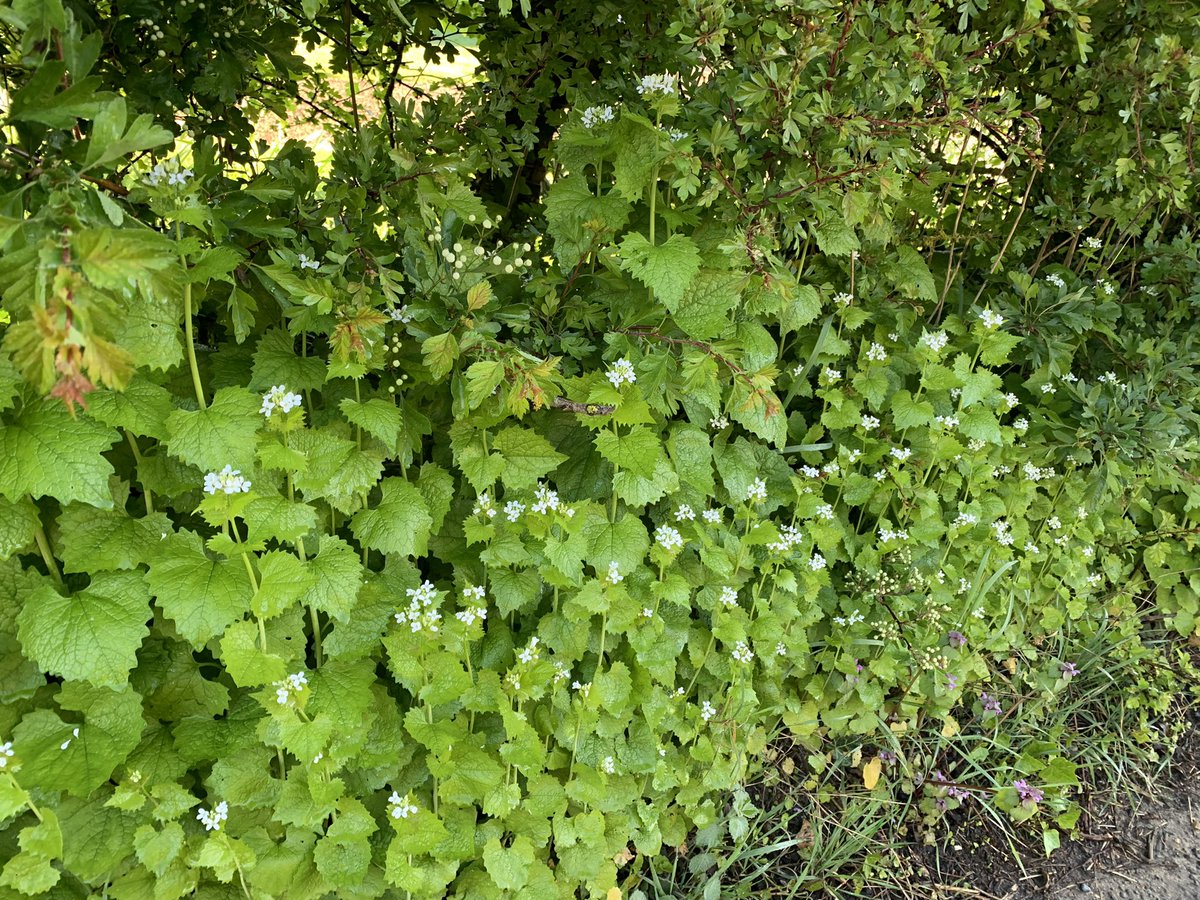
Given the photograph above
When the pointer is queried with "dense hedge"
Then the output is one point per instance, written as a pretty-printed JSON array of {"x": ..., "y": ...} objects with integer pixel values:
[{"x": 462, "y": 511}]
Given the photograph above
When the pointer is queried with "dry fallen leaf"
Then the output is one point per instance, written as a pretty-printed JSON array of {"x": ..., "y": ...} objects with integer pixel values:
[{"x": 870, "y": 772}]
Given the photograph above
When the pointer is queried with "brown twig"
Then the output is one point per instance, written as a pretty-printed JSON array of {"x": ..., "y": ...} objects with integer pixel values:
[{"x": 584, "y": 409}]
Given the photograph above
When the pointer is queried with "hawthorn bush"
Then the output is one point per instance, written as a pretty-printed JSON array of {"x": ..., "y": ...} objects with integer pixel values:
[{"x": 461, "y": 509}]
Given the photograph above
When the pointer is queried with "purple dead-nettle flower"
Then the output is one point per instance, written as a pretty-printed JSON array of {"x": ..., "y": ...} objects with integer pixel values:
[
  {"x": 212, "y": 820},
  {"x": 951, "y": 682},
  {"x": 887, "y": 757},
  {"x": 1068, "y": 669},
  {"x": 1028, "y": 793},
  {"x": 991, "y": 706},
  {"x": 956, "y": 638},
  {"x": 228, "y": 481}
]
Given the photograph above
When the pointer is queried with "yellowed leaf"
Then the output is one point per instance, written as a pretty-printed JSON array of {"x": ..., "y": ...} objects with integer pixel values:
[
  {"x": 614, "y": 893},
  {"x": 950, "y": 727},
  {"x": 789, "y": 765},
  {"x": 479, "y": 295},
  {"x": 870, "y": 772}
]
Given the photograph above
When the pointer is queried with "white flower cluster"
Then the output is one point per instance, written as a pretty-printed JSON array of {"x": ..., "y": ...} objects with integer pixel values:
[
  {"x": 6, "y": 753},
  {"x": 947, "y": 422},
  {"x": 843, "y": 299},
  {"x": 825, "y": 511},
  {"x": 935, "y": 341},
  {"x": 212, "y": 820},
  {"x": 869, "y": 423},
  {"x": 900, "y": 453},
  {"x": 817, "y": 562},
  {"x": 513, "y": 510},
  {"x": 293, "y": 684},
  {"x": 728, "y": 596},
  {"x": 675, "y": 135},
  {"x": 609, "y": 765},
  {"x": 658, "y": 84},
  {"x": 854, "y": 618},
  {"x": 159, "y": 172},
  {"x": 474, "y": 611},
  {"x": 1020, "y": 425},
  {"x": 831, "y": 376},
  {"x": 1057, "y": 281},
  {"x": 1093, "y": 243},
  {"x": 306, "y": 263},
  {"x": 595, "y": 114},
  {"x": 401, "y": 315},
  {"x": 1108, "y": 287},
  {"x": 1110, "y": 378},
  {"x": 530, "y": 654},
  {"x": 716, "y": 423},
  {"x": 668, "y": 538},
  {"x": 712, "y": 516},
  {"x": 757, "y": 492},
  {"x": 1003, "y": 536},
  {"x": 279, "y": 397},
  {"x": 1034, "y": 473},
  {"x": 991, "y": 320},
  {"x": 886, "y": 535},
  {"x": 614, "y": 573},
  {"x": 421, "y": 614},
  {"x": 789, "y": 537},
  {"x": 484, "y": 506},
  {"x": 401, "y": 807},
  {"x": 742, "y": 653},
  {"x": 547, "y": 499},
  {"x": 876, "y": 353},
  {"x": 965, "y": 520},
  {"x": 707, "y": 710},
  {"x": 620, "y": 372},
  {"x": 228, "y": 481},
  {"x": 685, "y": 514}
]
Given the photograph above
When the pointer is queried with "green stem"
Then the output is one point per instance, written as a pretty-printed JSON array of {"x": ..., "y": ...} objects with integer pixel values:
[
  {"x": 190, "y": 341},
  {"x": 43, "y": 542},
  {"x": 137, "y": 458}
]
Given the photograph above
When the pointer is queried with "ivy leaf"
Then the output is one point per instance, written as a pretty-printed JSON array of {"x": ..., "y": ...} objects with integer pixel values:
[
  {"x": 202, "y": 596},
  {"x": 91, "y": 636},
  {"x": 527, "y": 456},
  {"x": 45, "y": 452},
  {"x": 703, "y": 310},
  {"x": 667, "y": 269},
  {"x": 109, "y": 728},
  {"x": 223, "y": 434},
  {"x": 399, "y": 523}
]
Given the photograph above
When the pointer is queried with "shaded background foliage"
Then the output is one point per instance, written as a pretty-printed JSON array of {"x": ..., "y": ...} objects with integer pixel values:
[{"x": 924, "y": 160}]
